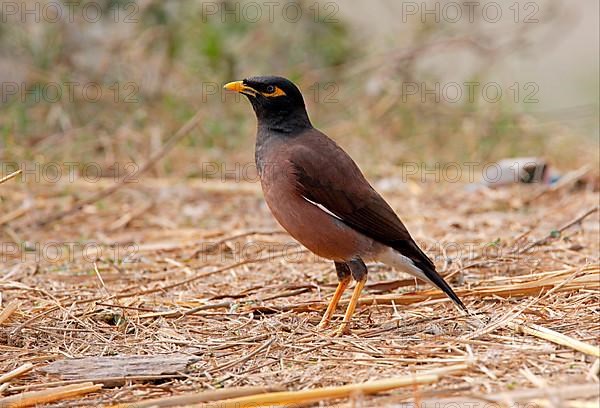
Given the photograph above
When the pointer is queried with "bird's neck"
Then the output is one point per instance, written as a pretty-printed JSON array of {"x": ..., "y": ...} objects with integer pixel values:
[
  {"x": 283, "y": 123},
  {"x": 270, "y": 134}
]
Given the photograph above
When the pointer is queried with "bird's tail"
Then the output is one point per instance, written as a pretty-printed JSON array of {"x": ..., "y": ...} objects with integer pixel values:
[{"x": 436, "y": 279}]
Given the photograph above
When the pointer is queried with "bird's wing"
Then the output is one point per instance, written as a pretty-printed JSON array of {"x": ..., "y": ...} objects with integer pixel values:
[{"x": 325, "y": 175}]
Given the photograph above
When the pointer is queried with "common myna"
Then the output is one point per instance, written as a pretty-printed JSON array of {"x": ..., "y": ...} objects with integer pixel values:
[{"x": 320, "y": 196}]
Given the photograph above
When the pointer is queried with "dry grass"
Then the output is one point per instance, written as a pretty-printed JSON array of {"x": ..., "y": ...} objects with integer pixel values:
[{"x": 213, "y": 277}]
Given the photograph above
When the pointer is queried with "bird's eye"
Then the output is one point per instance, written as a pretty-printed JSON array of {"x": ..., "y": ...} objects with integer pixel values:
[{"x": 270, "y": 89}]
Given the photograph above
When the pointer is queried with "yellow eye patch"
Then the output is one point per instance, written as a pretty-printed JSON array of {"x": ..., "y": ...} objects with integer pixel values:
[{"x": 275, "y": 93}]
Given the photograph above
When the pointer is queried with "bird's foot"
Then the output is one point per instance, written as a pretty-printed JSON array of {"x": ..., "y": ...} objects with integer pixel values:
[
  {"x": 344, "y": 329},
  {"x": 323, "y": 324}
]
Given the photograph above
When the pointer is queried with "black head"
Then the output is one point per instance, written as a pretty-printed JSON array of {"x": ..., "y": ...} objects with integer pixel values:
[{"x": 277, "y": 102}]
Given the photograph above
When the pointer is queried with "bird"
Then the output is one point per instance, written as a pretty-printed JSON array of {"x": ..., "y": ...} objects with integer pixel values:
[{"x": 322, "y": 199}]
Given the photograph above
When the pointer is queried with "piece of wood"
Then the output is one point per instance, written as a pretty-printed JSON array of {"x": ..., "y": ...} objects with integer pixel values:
[
  {"x": 11, "y": 175},
  {"x": 309, "y": 396},
  {"x": 556, "y": 337},
  {"x": 16, "y": 372},
  {"x": 107, "y": 381},
  {"x": 8, "y": 310},
  {"x": 32, "y": 398},
  {"x": 291, "y": 398},
  {"x": 195, "y": 398},
  {"x": 119, "y": 368}
]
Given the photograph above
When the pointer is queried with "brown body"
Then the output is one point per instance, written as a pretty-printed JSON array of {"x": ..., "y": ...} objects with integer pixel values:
[{"x": 316, "y": 229}]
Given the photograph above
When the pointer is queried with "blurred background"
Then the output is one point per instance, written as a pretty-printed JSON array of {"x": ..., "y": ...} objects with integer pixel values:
[{"x": 427, "y": 82}]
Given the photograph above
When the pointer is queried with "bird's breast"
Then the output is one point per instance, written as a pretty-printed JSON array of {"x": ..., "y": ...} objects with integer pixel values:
[{"x": 320, "y": 232}]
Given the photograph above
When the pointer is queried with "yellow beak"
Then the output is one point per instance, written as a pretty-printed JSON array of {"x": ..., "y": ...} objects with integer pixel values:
[{"x": 238, "y": 86}]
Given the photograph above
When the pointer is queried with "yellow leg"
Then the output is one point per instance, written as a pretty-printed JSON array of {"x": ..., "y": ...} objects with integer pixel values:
[
  {"x": 339, "y": 291},
  {"x": 345, "y": 326}
]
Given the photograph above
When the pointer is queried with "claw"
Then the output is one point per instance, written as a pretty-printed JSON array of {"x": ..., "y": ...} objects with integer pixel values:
[
  {"x": 323, "y": 324},
  {"x": 343, "y": 330}
]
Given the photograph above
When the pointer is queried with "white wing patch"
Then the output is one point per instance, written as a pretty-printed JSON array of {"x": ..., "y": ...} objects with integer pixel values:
[{"x": 322, "y": 208}]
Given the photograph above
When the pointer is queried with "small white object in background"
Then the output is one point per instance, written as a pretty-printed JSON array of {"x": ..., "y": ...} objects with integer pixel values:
[
  {"x": 517, "y": 170},
  {"x": 525, "y": 170}
]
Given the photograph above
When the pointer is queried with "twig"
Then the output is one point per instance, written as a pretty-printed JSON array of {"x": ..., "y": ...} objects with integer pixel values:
[
  {"x": 206, "y": 396},
  {"x": 28, "y": 399},
  {"x": 556, "y": 337},
  {"x": 181, "y": 313},
  {"x": 552, "y": 234},
  {"x": 11, "y": 175},
  {"x": 244, "y": 358},
  {"x": 16, "y": 372},
  {"x": 14, "y": 214},
  {"x": 106, "y": 381},
  {"x": 233, "y": 237},
  {"x": 8, "y": 310},
  {"x": 127, "y": 218},
  {"x": 344, "y": 391}
]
